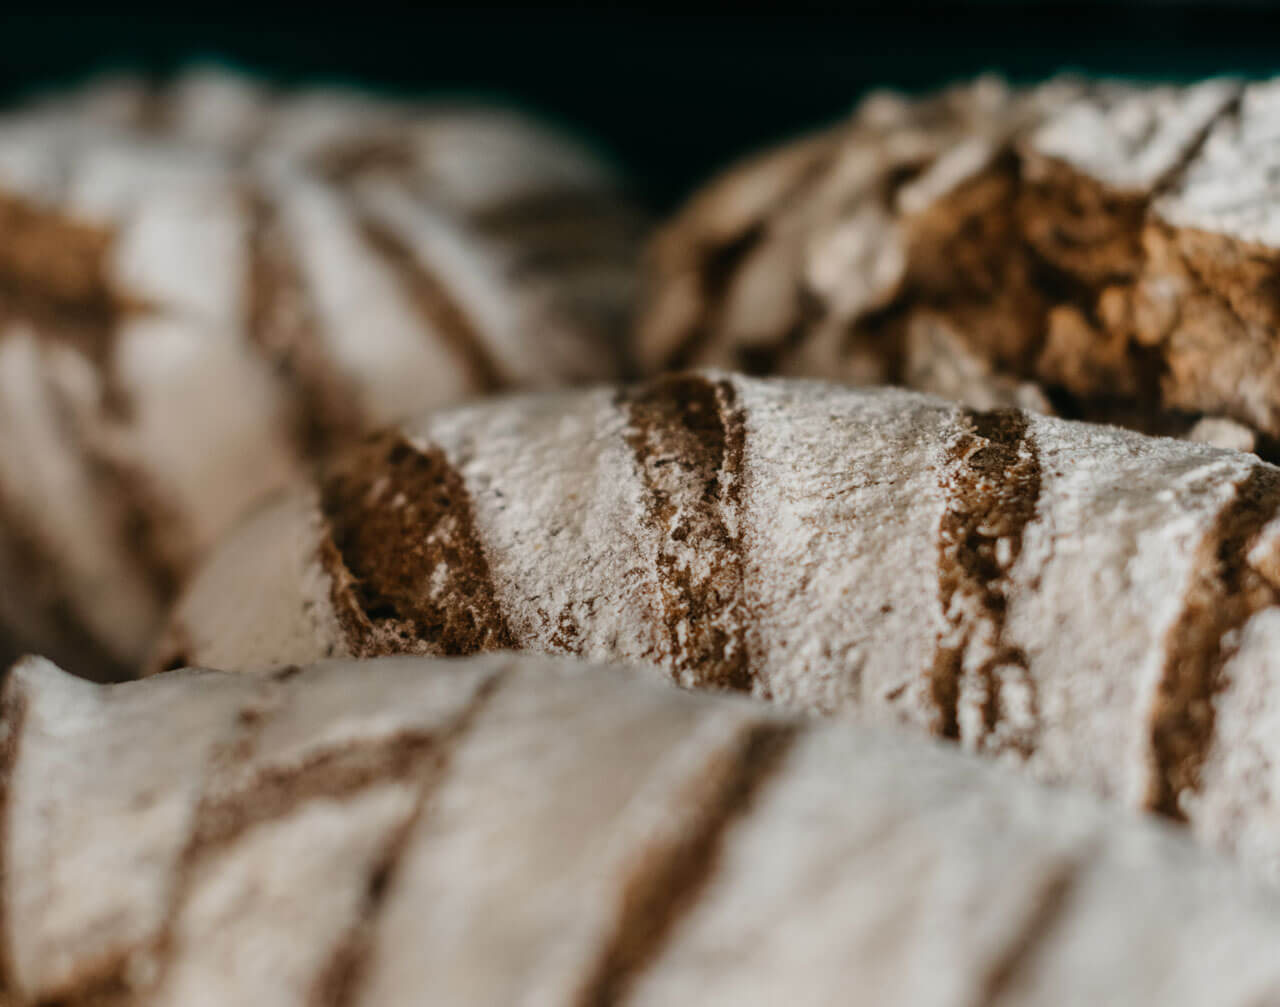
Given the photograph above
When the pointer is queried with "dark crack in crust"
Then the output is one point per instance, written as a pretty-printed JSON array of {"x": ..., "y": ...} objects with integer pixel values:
[
  {"x": 1030, "y": 264},
  {"x": 669, "y": 880},
  {"x": 443, "y": 314},
  {"x": 172, "y": 651},
  {"x": 687, "y": 434},
  {"x": 282, "y": 326},
  {"x": 1225, "y": 591},
  {"x": 234, "y": 801},
  {"x": 409, "y": 571},
  {"x": 992, "y": 486},
  {"x": 1049, "y": 908},
  {"x": 339, "y": 982},
  {"x": 1219, "y": 339},
  {"x": 333, "y": 774},
  {"x": 55, "y": 279}
]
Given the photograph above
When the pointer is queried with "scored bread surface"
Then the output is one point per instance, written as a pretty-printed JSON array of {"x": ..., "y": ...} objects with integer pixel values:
[
  {"x": 519, "y": 830},
  {"x": 1094, "y": 604},
  {"x": 206, "y": 284}
]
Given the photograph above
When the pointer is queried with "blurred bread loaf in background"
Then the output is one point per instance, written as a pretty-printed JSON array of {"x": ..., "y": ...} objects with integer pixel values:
[
  {"x": 205, "y": 284},
  {"x": 1102, "y": 250}
]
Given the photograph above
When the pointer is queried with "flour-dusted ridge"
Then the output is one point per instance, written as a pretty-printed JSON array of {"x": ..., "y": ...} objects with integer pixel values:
[
  {"x": 1102, "y": 249},
  {"x": 511, "y": 829},
  {"x": 1093, "y": 604},
  {"x": 205, "y": 284}
]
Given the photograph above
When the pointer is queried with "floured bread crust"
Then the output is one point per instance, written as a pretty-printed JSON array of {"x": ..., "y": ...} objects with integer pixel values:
[
  {"x": 510, "y": 829},
  {"x": 1103, "y": 250},
  {"x": 205, "y": 285},
  {"x": 1086, "y": 602}
]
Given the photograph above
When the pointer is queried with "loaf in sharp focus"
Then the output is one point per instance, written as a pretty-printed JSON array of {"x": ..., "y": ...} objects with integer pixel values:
[
  {"x": 1097, "y": 605},
  {"x": 204, "y": 285},
  {"x": 1106, "y": 250},
  {"x": 510, "y": 830}
]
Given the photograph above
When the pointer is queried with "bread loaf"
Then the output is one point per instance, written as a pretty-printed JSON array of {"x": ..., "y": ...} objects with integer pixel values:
[
  {"x": 518, "y": 830},
  {"x": 205, "y": 285},
  {"x": 1094, "y": 604},
  {"x": 1104, "y": 250}
]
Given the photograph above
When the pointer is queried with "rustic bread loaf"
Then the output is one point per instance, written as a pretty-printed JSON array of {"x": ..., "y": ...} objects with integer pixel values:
[
  {"x": 203, "y": 286},
  {"x": 514, "y": 830},
  {"x": 1105, "y": 250},
  {"x": 1094, "y": 604}
]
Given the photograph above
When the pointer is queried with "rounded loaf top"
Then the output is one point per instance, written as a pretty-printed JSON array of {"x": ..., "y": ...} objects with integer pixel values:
[
  {"x": 206, "y": 284},
  {"x": 506, "y": 829},
  {"x": 1096, "y": 249},
  {"x": 1098, "y": 606}
]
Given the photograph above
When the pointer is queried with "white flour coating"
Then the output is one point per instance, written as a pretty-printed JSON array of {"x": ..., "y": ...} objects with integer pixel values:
[
  {"x": 289, "y": 615},
  {"x": 1101, "y": 245},
  {"x": 824, "y": 204},
  {"x": 981, "y": 119},
  {"x": 850, "y": 488},
  {"x": 65, "y": 901},
  {"x": 1128, "y": 136},
  {"x": 466, "y": 155},
  {"x": 561, "y": 554},
  {"x": 1238, "y": 807},
  {"x": 177, "y": 376},
  {"x": 478, "y": 158},
  {"x": 1230, "y": 186},
  {"x": 48, "y": 488},
  {"x": 471, "y": 274},
  {"x": 548, "y": 935},
  {"x": 202, "y": 249},
  {"x": 244, "y": 899},
  {"x": 1103, "y": 572},
  {"x": 1223, "y": 433},
  {"x": 509, "y": 829},
  {"x": 219, "y": 109},
  {"x": 366, "y": 321},
  {"x": 810, "y": 569}
]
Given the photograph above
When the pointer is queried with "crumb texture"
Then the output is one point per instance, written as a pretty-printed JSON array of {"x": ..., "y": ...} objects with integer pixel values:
[{"x": 504, "y": 828}]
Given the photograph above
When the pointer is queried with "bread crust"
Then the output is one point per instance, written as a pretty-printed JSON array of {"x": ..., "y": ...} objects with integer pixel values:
[
  {"x": 205, "y": 285},
  {"x": 508, "y": 828},
  {"x": 1101, "y": 250},
  {"x": 1094, "y": 605}
]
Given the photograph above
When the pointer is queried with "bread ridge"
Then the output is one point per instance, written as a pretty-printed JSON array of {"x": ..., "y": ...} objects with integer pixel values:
[
  {"x": 1093, "y": 605},
  {"x": 207, "y": 283},
  {"x": 508, "y": 828}
]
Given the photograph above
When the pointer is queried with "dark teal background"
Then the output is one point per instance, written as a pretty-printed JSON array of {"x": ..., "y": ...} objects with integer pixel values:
[{"x": 671, "y": 97}]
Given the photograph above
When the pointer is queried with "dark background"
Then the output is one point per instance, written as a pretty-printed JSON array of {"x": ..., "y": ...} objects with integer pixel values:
[{"x": 671, "y": 97}]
